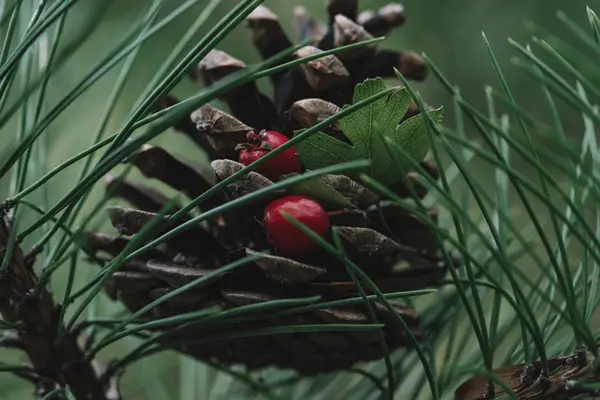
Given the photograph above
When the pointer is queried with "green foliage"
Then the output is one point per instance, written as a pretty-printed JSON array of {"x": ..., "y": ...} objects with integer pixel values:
[{"x": 367, "y": 130}]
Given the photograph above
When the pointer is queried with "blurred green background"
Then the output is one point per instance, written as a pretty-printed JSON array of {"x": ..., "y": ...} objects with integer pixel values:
[{"x": 449, "y": 31}]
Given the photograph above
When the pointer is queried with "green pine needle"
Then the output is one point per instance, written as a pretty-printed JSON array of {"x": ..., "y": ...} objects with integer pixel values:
[{"x": 518, "y": 199}]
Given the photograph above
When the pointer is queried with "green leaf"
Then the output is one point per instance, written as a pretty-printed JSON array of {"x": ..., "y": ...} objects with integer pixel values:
[
  {"x": 320, "y": 191},
  {"x": 366, "y": 130},
  {"x": 321, "y": 150},
  {"x": 411, "y": 136}
]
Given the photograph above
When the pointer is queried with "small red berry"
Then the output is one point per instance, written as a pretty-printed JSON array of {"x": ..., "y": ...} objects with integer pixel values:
[
  {"x": 250, "y": 153},
  {"x": 283, "y": 235},
  {"x": 263, "y": 142},
  {"x": 273, "y": 138}
]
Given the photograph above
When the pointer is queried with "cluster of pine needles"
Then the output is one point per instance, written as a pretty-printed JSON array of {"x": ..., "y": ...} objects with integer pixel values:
[{"x": 529, "y": 243}]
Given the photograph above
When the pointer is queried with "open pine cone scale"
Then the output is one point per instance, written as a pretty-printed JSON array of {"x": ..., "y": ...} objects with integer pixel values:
[{"x": 395, "y": 249}]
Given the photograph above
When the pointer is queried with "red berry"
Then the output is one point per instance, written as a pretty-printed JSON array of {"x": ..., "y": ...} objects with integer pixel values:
[
  {"x": 283, "y": 235},
  {"x": 260, "y": 144},
  {"x": 250, "y": 153},
  {"x": 273, "y": 138}
]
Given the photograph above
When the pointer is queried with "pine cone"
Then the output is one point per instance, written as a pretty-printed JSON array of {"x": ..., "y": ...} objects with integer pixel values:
[{"x": 395, "y": 249}]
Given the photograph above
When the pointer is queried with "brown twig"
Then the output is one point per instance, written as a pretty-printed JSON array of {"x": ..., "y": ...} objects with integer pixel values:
[
  {"x": 57, "y": 361},
  {"x": 528, "y": 383}
]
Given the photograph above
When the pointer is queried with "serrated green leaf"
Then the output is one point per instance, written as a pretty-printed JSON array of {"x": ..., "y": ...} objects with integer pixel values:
[
  {"x": 320, "y": 191},
  {"x": 321, "y": 150},
  {"x": 410, "y": 136},
  {"x": 366, "y": 130}
]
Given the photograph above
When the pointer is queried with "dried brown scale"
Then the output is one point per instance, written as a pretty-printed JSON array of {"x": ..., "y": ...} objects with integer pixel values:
[
  {"x": 188, "y": 127},
  {"x": 410, "y": 64},
  {"x": 155, "y": 162},
  {"x": 268, "y": 35},
  {"x": 381, "y": 23},
  {"x": 384, "y": 63},
  {"x": 286, "y": 271},
  {"x": 222, "y": 131},
  {"x": 182, "y": 300},
  {"x": 404, "y": 227},
  {"x": 93, "y": 242},
  {"x": 365, "y": 16},
  {"x": 129, "y": 222},
  {"x": 196, "y": 241},
  {"x": 184, "y": 125},
  {"x": 140, "y": 196},
  {"x": 346, "y": 32},
  {"x": 245, "y": 101},
  {"x": 393, "y": 13},
  {"x": 178, "y": 275},
  {"x": 398, "y": 217},
  {"x": 355, "y": 192},
  {"x": 309, "y": 112},
  {"x": 249, "y": 183},
  {"x": 325, "y": 78},
  {"x": 431, "y": 169},
  {"x": 355, "y": 218},
  {"x": 324, "y": 73},
  {"x": 136, "y": 281},
  {"x": 218, "y": 64},
  {"x": 365, "y": 240},
  {"x": 347, "y": 8},
  {"x": 413, "y": 184},
  {"x": 306, "y": 27},
  {"x": 423, "y": 276},
  {"x": 306, "y": 113},
  {"x": 293, "y": 88}
]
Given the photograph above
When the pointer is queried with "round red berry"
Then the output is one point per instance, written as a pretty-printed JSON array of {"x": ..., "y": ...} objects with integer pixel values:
[
  {"x": 260, "y": 144},
  {"x": 283, "y": 235},
  {"x": 273, "y": 138},
  {"x": 250, "y": 153}
]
